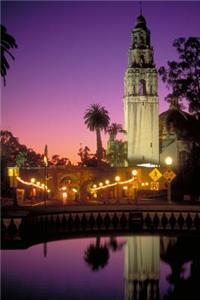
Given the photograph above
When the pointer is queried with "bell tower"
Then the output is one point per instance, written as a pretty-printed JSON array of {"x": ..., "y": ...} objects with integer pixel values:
[{"x": 141, "y": 103}]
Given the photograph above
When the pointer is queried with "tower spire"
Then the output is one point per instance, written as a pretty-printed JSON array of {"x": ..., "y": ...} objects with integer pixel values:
[{"x": 140, "y": 7}]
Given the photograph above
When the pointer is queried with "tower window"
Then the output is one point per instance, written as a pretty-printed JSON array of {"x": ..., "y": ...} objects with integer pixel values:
[
  {"x": 142, "y": 88},
  {"x": 142, "y": 60}
]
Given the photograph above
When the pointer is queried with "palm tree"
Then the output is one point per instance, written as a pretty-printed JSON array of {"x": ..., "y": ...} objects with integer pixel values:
[
  {"x": 96, "y": 118},
  {"x": 114, "y": 129},
  {"x": 97, "y": 256},
  {"x": 7, "y": 42}
]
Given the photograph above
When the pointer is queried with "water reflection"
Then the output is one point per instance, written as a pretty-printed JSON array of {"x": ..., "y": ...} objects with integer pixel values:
[
  {"x": 97, "y": 255},
  {"x": 134, "y": 267},
  {"x": 142, "y": 267}
]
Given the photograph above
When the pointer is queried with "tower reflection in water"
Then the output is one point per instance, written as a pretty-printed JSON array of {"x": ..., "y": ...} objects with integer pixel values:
[{"x": 142, "y": 268}]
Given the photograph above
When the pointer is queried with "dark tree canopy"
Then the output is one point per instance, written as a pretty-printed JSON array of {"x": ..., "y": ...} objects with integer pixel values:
[
  {"x": 183, "y": 75},
  {"x": 7, "y": 42}
]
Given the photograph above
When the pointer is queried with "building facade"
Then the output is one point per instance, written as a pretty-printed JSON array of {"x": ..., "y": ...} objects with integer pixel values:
[{"x": 141, "y": 103}]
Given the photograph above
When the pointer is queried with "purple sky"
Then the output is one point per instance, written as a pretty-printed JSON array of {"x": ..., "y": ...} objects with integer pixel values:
[{"x": 73, "y": 54}]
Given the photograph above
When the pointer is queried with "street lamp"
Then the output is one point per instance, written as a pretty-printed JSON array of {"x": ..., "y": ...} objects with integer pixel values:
[
  {"x": 117, "y": 179},
  {"x": 168, "y": 161},
  {"x": 134, "y": 173},
  {"x": 32, "y": 180}
]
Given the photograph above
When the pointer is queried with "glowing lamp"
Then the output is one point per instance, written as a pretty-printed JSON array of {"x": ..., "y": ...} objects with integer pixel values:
[
  {"x": 32, "y": 180},
  {"x": 117, "y": 178},
  {"x": 168, "y": 161},
  {"x": 134, "y": 172},
  {"x": 107, "y": 182}
]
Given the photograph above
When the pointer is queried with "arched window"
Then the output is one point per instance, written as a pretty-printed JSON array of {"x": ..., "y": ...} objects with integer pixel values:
[
  {"x": 142, "y": 87},
  {"x": 142, "y": 60}
]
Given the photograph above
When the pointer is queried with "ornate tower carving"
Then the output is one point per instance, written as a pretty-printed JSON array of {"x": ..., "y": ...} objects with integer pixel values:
[{"x": 140, "y": 98}]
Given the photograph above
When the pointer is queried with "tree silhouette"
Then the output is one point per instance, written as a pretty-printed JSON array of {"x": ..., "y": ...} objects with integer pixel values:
[
  {"x": 7, "y": 42},
  {"x": 113, "y": 130},
  {"x": 183, "y": 250},
  {"x": 96, "y": 118},
  {"x": 183, "y": 76},
  {"x": 114, "y": 245},
  {"x": 56, "y": 160},
  {"x": 97, "y": 256}
]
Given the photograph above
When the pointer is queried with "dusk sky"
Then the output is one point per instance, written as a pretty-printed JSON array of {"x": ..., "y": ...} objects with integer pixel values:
[{"x": 73, "y": 54}]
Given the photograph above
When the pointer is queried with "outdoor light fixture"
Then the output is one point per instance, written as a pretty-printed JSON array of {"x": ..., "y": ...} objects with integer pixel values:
[
  {"x": 168, "y": 161},
  {"x": 100, "y": 184},
  {"x": 32, "y": 180},
  {"x": 117, "y": 178},
  {"x": 134, "y": 172},
  {"x": 107, "y": 182},
  {"x": 94, "y": 186}
]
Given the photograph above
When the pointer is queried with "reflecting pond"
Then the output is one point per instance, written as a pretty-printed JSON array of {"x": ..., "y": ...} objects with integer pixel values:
[{"x": 125, "y": 267}]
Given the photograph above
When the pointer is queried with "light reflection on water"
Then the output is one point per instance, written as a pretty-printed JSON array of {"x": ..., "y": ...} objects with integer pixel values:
[{"x": 135, "y": 267}]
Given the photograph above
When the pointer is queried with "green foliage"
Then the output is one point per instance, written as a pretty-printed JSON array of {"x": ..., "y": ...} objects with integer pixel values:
[
  {"x": 7, "y": 42},
  {"x": 13, "y": 152},
  {"x": 117, "y": 153},
  {"x": 183, "y": 76}
]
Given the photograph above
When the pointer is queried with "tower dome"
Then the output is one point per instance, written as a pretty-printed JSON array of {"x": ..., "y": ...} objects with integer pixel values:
[{"x": 141, "y": 23}]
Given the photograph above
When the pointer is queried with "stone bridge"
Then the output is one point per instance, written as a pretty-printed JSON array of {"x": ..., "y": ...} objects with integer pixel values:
[{"x": 36, "y": 225}]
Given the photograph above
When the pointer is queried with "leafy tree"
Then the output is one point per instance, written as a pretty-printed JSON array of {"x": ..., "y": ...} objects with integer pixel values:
[
  {"x": 60, "y": 161},
  {"x": 85, "y": 155},
  {"x": 21, "y": 158},
  {"x": 15, "y": 153},
  {"x": 7, "y": 42},
  {"x": 113, "y": 130},
  {"x": 117, "y": 153},
  {"x": 183, "y": 76},
  {"x": 96, "y": 119}
]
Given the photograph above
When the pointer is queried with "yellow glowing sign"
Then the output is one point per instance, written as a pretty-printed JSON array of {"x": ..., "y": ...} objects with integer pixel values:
[
  {"x": 169, "y": 175},
  {"x": 13, "y": 171},
  {"x": 155, "y": 174}
]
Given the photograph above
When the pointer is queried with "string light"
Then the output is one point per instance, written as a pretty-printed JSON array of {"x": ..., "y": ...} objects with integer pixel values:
[
  {"x": 94, "y": 188},
  {"x": 37, "y": 184}
]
